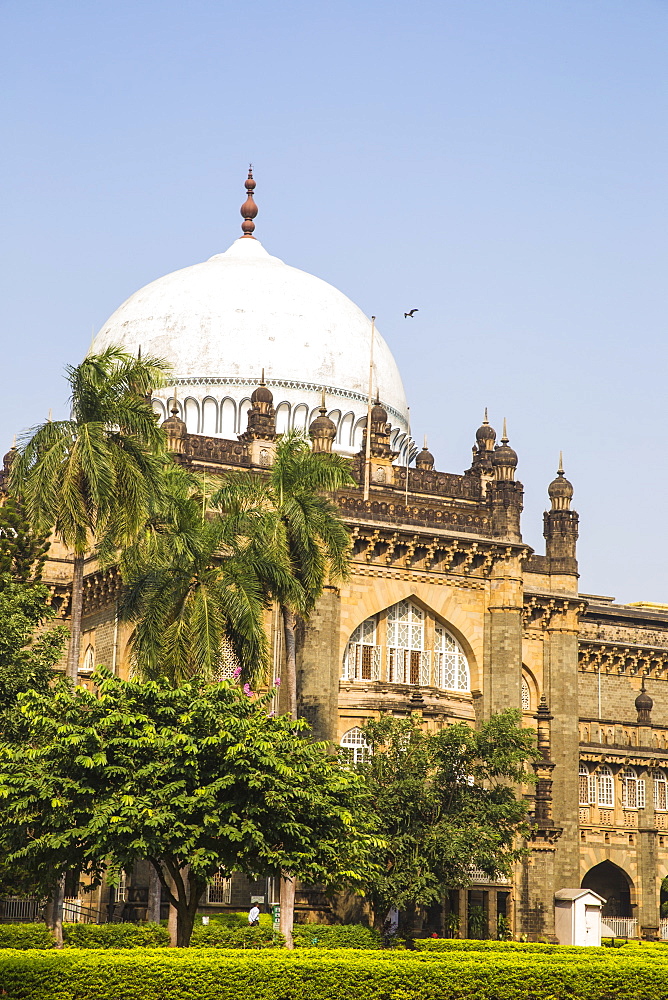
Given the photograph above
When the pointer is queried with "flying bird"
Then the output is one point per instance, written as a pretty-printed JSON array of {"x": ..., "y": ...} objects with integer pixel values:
[{"x": 406, "y": 315}]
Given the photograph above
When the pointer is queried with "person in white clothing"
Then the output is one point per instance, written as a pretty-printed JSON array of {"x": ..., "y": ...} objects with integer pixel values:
[{"x": 254, "y": 915}]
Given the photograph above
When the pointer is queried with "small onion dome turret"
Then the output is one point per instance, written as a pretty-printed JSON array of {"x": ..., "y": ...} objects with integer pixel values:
[
  {"x": 485, "y": 435},
  {"x": 378, "y": 412},
  {"x": 644, "y": 705},
  {"x": 262, "y": 397},
  {"x": 560, "y": 491},
  {"x": 176, "y": 431},
  {"x": 504, "y": 458},
  {"x": 322, "y": 431},
  {"x": 425, "y": 459}
]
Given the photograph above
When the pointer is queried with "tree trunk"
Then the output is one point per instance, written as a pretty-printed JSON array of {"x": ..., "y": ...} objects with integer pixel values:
[
  {"x": 287, "y": 901},
  {"x": 290, "y": 660},
  {"x": 154, "y": 896},
  {"x": 54, "y": 912},
  {"x": 75, "y": 619},
  {"x": 287, "y": 890}
]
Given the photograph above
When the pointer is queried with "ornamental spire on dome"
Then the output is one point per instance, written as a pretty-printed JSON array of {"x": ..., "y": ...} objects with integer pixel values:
[{"x": 249, "y": 208}]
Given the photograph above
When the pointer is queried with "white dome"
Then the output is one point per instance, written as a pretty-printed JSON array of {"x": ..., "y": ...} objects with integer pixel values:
[{"x": 221, "y": 322}]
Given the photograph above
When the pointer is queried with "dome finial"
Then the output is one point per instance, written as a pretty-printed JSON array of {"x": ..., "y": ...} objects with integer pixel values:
[
  {"x": 504, "y": 436},
  {"x": 249, "y": 208},
  {"x": 560, "y": 470},
  {"x": 262, "y": 379},
  {"x": 485, "y": 421}
]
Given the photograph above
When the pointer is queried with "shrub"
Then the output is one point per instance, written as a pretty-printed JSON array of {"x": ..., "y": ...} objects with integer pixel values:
[
  {"x": 220, "y": 935},
  {"x": 335, "y": 936},
  {"x": 24, "y": 936},
  {"x": 115, "y": 936},
  {"x": 329, "y": 975}
]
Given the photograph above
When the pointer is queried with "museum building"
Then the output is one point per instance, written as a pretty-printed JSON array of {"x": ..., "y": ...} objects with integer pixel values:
[{"x": 447, "y": 612}]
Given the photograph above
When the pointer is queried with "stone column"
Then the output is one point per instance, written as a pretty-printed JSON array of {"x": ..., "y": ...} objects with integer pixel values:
[
  {"x": 503, "y": 637},
  {"x": 648, "y": 883},
  {"x": 561, "y": 683}
]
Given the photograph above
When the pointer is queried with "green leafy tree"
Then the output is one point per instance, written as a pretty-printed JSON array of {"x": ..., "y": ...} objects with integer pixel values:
[
  {"x": 28, "y": 650},
  {"x": 28, "y": 653},
  {"x": 445, "y": 802},
  {"x": 196, "y": 779},
  {"x": 22, "y": 552},
  {"x": 91, "y": 478},
  {"x": 201, "y": 576}
]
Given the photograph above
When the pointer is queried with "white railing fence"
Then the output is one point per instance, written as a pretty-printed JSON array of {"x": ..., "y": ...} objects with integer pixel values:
[
  {"x": 623, "y": 927},
  {"x": 663, "y": 928},
  {"x": 18, "y": 910}
]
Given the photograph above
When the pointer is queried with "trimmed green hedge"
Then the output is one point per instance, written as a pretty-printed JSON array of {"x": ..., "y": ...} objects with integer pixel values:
[
  {"x": 23, "y": 936},
  {"x": 224, "y": 936},
  {"x": 335, "y": 936},
  {"x": 115, "y": 936},
  {"x": 329, "y": 975}
]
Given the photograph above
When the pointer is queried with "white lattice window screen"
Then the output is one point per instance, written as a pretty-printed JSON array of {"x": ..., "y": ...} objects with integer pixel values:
[
  {"x": 406, "y": 659},
  {"x": 584, "y": 785},
  {"x": 660, "y": 791},
  {"x": 219, "y": 890},
  {"x": 633, "y": 789},
  {"x": 362, "y": 659},
  {"x": 229, "y": 661},
  {"x": 122, "y": 887},
  {"x": 356, "y": 747},
  {"x": 88, "y": 665},
  {"x": 526, "y": 696},
  {"x": 606, "y": 788},
  {"x": 451, "y": 669}
]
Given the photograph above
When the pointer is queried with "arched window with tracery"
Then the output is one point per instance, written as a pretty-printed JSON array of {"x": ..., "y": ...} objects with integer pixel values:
[
  {"x": 356, "y": 749},
  {"x": 526, "y": 696},
  {"x": 400, "y": 647},
  {"x": 229, "y": 661},
  {"x": 633, "y": 789},
  {"x": 606, "y": 788},
  {"x": 88, "y": 665},
  {"x": 660, "y": 790},
  {"x": 451, "y": 669},
  {"x": 587, "y": 786},
  {"x": 362, "y": 659},
  {"x": 407, "y": 661}
]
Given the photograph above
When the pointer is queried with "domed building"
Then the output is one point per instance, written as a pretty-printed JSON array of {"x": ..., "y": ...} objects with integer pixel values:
[
  {"x": 220, "y": 323},
  {"x": 447, "y": 612}
]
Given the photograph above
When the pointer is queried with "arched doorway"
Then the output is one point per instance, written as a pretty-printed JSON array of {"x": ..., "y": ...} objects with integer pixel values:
[{"x": 614, "y": 885}]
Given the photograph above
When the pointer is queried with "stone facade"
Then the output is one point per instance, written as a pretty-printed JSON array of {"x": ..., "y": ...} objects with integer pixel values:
[{"x": 447, "y": 552}]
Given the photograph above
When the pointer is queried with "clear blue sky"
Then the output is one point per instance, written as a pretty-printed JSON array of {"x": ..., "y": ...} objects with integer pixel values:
[{"x": 500, "y": 164}]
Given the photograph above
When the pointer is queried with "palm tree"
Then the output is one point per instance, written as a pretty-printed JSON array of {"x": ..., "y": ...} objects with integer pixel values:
[
  {"x": 309, "y": 527},
  {"x": 318, "y": 542},
  {"x": 92, "y": 477},
  {"x": 199, "y": 577}
]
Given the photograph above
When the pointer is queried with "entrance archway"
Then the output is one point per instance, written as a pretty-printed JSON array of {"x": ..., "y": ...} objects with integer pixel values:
[{"x": 614, "y": 885}]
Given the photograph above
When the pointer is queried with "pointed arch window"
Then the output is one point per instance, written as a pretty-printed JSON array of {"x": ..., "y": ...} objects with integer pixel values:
[
  {"x": 633, "y": 789},
  {"x": 407, "y": 661},
  {"x": 660, "y": 790},
  {"x": 88, "y": 665},
  {"x": 606, "y": 788},
  {"x": 356, "y": 749},
  {"x": 402, "y": 648},
  {"x": 363, "y": 655},
  {"x": 526, "y": 696},
  {"x": 451, "y": 669}
]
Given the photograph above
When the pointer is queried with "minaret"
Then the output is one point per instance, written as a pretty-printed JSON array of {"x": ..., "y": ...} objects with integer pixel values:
[
  {"x": 560, "y": 528},
  {"x": 260, "y": 434},
  {"x": 505, "y": 495},
  {"x": 483, "y": 449},
  {"x": 176, "y": 430},
  {"x": 249, "y": 208},
  {"x": 322, "y": 430},
  {"x": 382, "y": 455}
]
